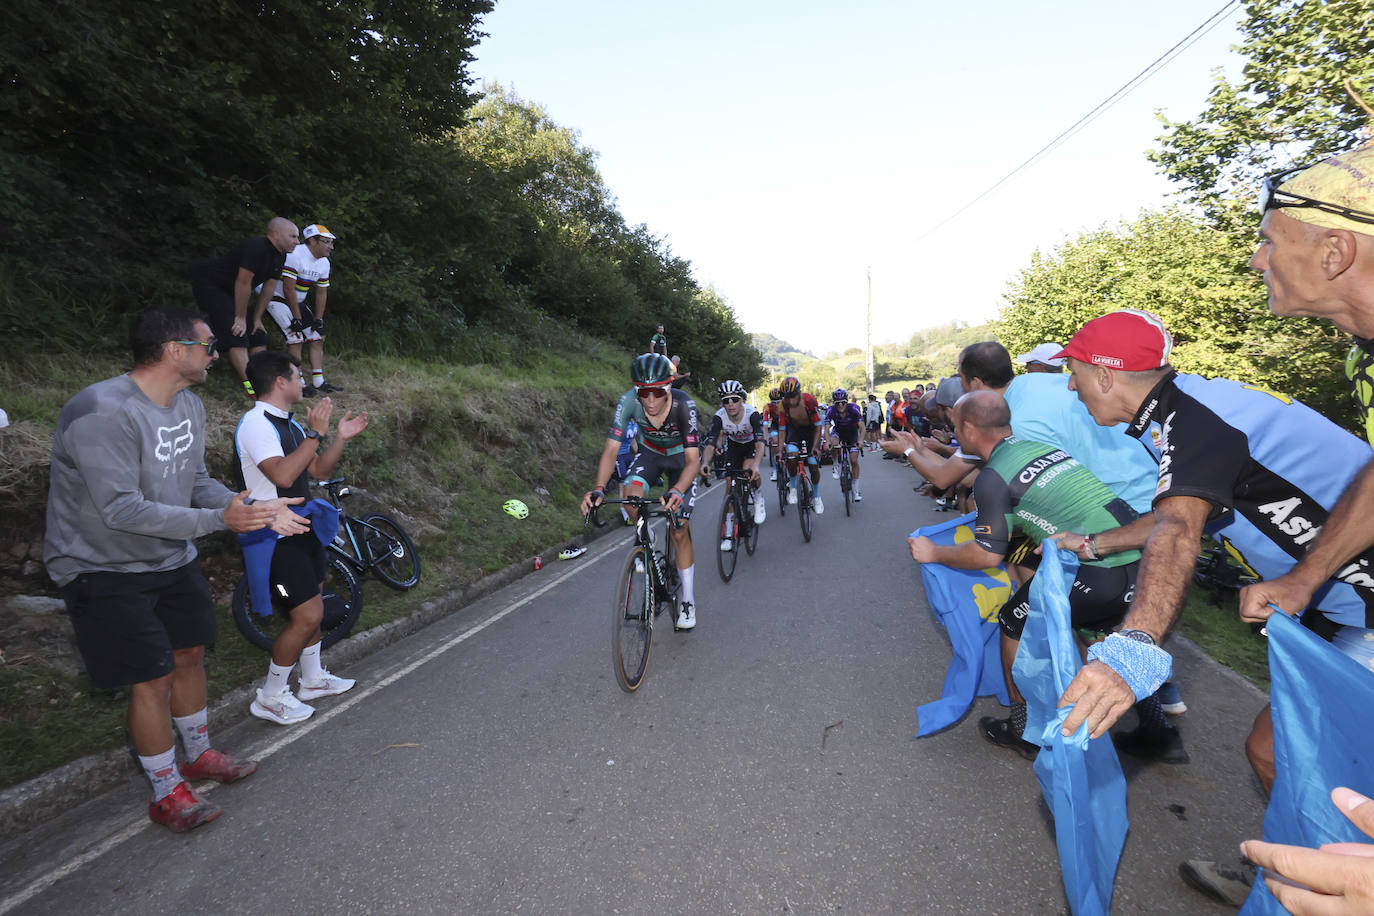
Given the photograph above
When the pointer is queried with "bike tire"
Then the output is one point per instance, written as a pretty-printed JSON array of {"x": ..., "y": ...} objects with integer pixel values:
[
  {"x": 846, "y": 482},
  {"x": 782, "y": 493},
  {"x": 727, "y": 531},
  {"x": 391, "y": 554},
  {"x": 751, "y": 537},
  {"x": 343, "y": 603},
  {"x": 632, "y": 636},
  {"x": 804, "y": 504}
]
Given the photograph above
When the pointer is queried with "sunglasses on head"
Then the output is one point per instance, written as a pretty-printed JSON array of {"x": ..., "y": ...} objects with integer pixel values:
[
  {"x": 731, "y": 399},
  {"x": 1271, "y": 198},
  {"x": 652, "y": 392}
]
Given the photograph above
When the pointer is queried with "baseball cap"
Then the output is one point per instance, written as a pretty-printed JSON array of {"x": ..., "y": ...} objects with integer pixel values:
[
  {"x": 1046, "y": 353},
  {"x": 1132, "y": 340},
  {"x": 1345, "y": 180},
  {"x": 315, "y": 229},
  {"x": 950, "y": 390}
]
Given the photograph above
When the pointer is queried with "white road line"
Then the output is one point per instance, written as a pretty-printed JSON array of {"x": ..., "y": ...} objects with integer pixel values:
[{"x": 43, "y": 882}]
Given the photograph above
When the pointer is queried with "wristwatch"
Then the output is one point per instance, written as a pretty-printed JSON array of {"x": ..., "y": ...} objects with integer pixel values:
[
  {"x": 313, "y": 434},
  {"x": 1138, "y": 636},
  {"x": 909, "y": 450}
]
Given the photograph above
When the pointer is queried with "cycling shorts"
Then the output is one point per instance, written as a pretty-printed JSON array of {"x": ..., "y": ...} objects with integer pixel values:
[
  {"x": 281, "y": 313},
  {"x": 1099, "y": 600},
  {"x": 849, "y": 437},
  {"x": 218, "y": 307},
  {"x": 650, "y": 469},
  {"x": 297, "y": 570},
  {"x": 736, "y": 453}
]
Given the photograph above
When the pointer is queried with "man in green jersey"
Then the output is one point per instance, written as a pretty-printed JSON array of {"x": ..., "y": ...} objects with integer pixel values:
[{"x": 1044, "y": 493}]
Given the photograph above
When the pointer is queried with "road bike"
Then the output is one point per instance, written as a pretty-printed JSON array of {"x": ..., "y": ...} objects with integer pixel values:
[
  {"x": 804, "y": 489},
  {"x": 375, "y": 545},
  {"x": 736, "y": 521},
  {"x": 780, "y": 466},
  {"x": 648, "y": 586},
  {"x": 846, "y": 476}
]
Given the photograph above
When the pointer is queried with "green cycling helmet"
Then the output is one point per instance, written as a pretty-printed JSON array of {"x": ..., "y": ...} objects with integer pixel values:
[{"x": 651, "y": 369}]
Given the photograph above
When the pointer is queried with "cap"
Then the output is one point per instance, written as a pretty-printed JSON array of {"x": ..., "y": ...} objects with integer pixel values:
[
  {"x": 950, "y": 390},
  {"x": 1346, "y": 180},
  {"x": 1132, "y": 340},
  {"x": 1046, "y": 353},
  {"x": 315, "y": 229}
]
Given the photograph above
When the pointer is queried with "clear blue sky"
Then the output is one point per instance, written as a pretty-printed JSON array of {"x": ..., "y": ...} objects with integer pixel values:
[{"x": 783, "y": 147}]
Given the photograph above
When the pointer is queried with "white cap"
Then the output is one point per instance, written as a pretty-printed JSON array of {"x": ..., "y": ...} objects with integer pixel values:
[
  {"x": 315, "y": 229},
  {"x": 1045, "y": 353}
]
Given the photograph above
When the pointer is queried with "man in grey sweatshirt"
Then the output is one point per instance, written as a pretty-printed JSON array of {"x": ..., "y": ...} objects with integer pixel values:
[{"x": 129, "y": 491}]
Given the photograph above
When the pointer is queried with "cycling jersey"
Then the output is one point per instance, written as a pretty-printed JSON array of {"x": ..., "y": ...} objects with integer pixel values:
[
  {"x": 679, "y": 429},
  {"x": 301, "y": 273},
  {"x": 808, "y": 405},
  {"x": 749, "y": 427},
  {"x": 1358, "y": 364},
  {"x": 1271, "y": 467},
  {"x": 268, "y": 432},
  {"x": 847, "y": 417},
  {"x": 1041, "y": 490},
  {"x": 658, "y": 344}
]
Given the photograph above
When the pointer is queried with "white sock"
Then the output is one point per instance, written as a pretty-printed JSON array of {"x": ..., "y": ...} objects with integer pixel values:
[
  {"x": 195, "y": 733},
  {"x": 688, "y": 576},
  {"x": 311, "y": 669},
  {"x": 162, "y": 772},
  {"x": 276, "y": 679},
  {"x": 317, "y": 378}
]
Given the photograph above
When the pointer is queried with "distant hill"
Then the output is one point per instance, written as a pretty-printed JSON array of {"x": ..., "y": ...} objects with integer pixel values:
[{"x": 779, "y": 355}]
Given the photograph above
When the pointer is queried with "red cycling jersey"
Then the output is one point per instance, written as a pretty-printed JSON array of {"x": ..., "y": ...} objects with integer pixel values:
[{"x": 808, "y": 403}]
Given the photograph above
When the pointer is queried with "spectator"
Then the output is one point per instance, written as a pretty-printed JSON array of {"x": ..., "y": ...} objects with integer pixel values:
[
  {"x": 222, "y": 286},
  {"x": 679, "y": 378},
  {"x": 306, "y": 269},
  {"x": 873, "y": 421},
  {"x": 128, "y": 494},
  {"x": 1042, "y": 358},
  {"x": 278, "y": 458},
  {"x": 1338, "y": 878},
  {"x": 659, "y": 342}
]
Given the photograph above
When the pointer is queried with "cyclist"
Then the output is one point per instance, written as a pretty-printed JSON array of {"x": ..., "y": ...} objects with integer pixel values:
[
  {"x": 800, "y": 427},
  {"x": 668, "y": 447},
  {"x": 742, "y": 428},
  {"x": 844, "y": 420},
  {"x": 771, "y": 418}
]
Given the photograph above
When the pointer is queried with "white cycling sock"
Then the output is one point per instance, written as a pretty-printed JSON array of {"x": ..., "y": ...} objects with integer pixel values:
[
  {"x": 162, "y": 772},
  {"x": 195, "y": 734},
  {"x": 311, "y": 667},
  {"x": 688, "y": 577},
  {"x": 317, "y": 378},
  {"x": 276, "y": 679}
]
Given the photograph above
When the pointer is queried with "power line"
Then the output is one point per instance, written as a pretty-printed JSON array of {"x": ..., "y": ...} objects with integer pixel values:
[{"x": 1126, "y": 89}]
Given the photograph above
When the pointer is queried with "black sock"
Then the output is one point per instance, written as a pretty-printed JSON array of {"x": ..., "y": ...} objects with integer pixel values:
[
  {"x": 1018, "y": 718},
  {"x": 1151, "y": 713}
]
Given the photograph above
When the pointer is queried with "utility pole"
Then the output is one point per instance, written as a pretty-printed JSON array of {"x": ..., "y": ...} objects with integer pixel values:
[{"x": 868, "y": 335}]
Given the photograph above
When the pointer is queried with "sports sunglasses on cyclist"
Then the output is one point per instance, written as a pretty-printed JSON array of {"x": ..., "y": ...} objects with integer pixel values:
[
  {"x": 651, "y": 392},
  {"x": 1271, "y": 198},
  {"x": 731, "y": 399}
]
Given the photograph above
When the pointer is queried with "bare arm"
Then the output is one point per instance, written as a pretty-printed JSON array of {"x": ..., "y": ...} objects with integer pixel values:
[
  {"x": 968, "y": 555},
  {"x": 1113, "y": 540}
]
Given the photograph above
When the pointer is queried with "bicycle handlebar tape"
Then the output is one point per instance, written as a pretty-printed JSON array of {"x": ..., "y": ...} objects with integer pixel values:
[{"x": 1142, "y": 666}]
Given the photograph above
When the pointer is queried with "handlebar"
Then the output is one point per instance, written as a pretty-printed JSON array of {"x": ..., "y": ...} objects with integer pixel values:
[{"x": 650, "y": 506}]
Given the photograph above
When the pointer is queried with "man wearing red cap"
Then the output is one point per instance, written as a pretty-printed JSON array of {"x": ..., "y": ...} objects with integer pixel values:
[{"x": 1256, "y": 470}]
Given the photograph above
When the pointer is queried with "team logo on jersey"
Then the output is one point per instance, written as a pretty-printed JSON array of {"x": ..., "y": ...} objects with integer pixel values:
[{"x": 173, "y": 440}]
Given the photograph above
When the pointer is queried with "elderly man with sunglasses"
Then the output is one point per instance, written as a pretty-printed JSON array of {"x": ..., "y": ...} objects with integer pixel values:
[{"x": 669, "y": 450}]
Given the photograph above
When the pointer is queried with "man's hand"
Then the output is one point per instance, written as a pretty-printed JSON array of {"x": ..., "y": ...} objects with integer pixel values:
[
  {"x": 350, "y": 425},
  {"x": 239, "y": 327},
  {"x": 1337, "y": 878},
  {"x": 296, "y": 325},
  {"x": 590, "y": 500},
  {"x": 901, "y": 440},
  {"x": 922, "y": 549},
  {"x": 941, "y": 436},
  {"x": 317, "y": 325},
  {"x": 317, "y": 417},
  {"x": 672, "y": 499},
  {"x": 1285, "y": 592},
  {"x": 284, "y": 521},
  {"x": 1075, "y": 544},
  {"x": 241, "y": 518},
  {"x": 1099, "y": 696}
]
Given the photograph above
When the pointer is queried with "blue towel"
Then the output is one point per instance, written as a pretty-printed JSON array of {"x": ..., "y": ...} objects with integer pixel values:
[
  {"x": 258, "y": 547},
  {"x": 966, "y": 602},
  {"x": 1080, "y": 778}
]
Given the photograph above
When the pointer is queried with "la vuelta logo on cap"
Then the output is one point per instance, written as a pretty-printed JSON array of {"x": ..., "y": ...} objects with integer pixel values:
[{"x": 1111, "y": 362}]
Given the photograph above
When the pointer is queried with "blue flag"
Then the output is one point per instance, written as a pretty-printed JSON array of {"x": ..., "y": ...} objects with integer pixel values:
[
  {"x": 966, "y": 602},
  {"x": 1323, "y": 706},
  {"x": 1080, "y": 778}
]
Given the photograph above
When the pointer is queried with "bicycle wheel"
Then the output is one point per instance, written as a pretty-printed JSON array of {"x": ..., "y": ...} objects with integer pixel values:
[
  {"x": 782, "y": 491},
  {"x": 727, "y": 535},
  {"x": 846, "y": 482},
  {"x": 633, "y": 623},
  {"x": 804, "y": 503},
  {"x": 343, "y": 603},
  {"x": 751, "y": 535},
  {"x": 390, "y": 552}
]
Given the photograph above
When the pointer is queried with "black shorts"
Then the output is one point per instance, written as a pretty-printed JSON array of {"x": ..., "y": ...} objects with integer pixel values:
[
  {"x": 218, "y": 307},
  {"x": 1100, "y": 598},
  {"x": 873, "y": 426},
  {"x": 297, "y": 570},
  {"x": 128, "y": 624},
  {"x": 849, "y": 437},
  {"x": 736, "y": 453},
  {"x": 652, "y": 469}
]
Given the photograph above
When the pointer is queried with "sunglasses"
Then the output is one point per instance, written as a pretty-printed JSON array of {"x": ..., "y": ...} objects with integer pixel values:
[
  {"x": 731, "y": 399},
  {"x": 1271, "y": 198},
  {"x": 209, "y": 345},
  {"x": 651, "y": 392}
]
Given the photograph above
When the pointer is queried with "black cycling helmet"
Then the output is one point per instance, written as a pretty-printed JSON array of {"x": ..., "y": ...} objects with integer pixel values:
[
  {"x": 790, "y": 387},
  {"x": 651, "y": 369}
]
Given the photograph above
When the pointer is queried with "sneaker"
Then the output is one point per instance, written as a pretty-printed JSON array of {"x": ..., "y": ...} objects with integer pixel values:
[
  {"x": 309, "y": 391},
  {"x": 726, "y": 545},
  {"x": 760, "y": 510},
  {"x": 1000, "y": 733},
  {"x": 181, "y": 811},
  {"x": 327, "y": 685},
  {"x": 792, "y": 496},
  {"x": 1224, "y": 885},
  {"x": 571, "y": 552},
  {"x": 686, "y": 617},
  {"x": 218, "y": 766},
  {"x": 1171, "y": 701},
  {"x": 1166, "y": 745},
  {"x": 773, "y": 476},
  {"x": 817, "y": 506},
  {"x": 639, "y": 566},
  {"x": 835, "y": 473},
  {"x": 326, "y": 388},
  {"x": 283, "y": 709},
  {"x": 858, "y": 497}
]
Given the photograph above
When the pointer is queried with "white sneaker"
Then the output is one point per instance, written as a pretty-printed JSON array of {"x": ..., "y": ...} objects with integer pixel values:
[
  {"x": 760, "y": 510},
  {"x": 835, "y": 473},
  {"x": 687, "y": 617},
  {"x": 792, "y": 496},
  {"x": 283, "y": 708},
  {"x": 726, "y": 545},
  {"x": 327, "y": 686},
  {"x": 639, "y": 566},
  {"x": 858, "y": 497},
  {"x": 773, "y": 476},
  {"x": 817, "y": 506}
]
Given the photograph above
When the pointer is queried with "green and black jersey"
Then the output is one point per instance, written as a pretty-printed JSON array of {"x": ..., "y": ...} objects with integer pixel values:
[
  {"x": 1041, "y": 490},
  {"x": 1358, "y": 365}
]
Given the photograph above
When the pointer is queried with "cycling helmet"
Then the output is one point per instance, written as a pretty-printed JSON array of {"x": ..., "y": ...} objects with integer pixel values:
[
  {"x": 839, "y": 394},
  {"x": 651, "y": 369},
  {"x": 790, "y": 387},
  {"x": 774, "y": 395},
  {"x": 731, "y": 387}
]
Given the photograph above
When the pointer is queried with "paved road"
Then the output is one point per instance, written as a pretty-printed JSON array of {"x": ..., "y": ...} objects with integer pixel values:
[{"x": 490, "y": 764}]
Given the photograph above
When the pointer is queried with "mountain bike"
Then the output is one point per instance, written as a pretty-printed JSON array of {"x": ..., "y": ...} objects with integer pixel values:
[
  {"x": 648, "y": 586},
  {"x": 736, "y": 521}
]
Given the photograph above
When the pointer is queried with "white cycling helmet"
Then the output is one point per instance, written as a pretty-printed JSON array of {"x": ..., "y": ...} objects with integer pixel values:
[{"x": 731, "y": 387}]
